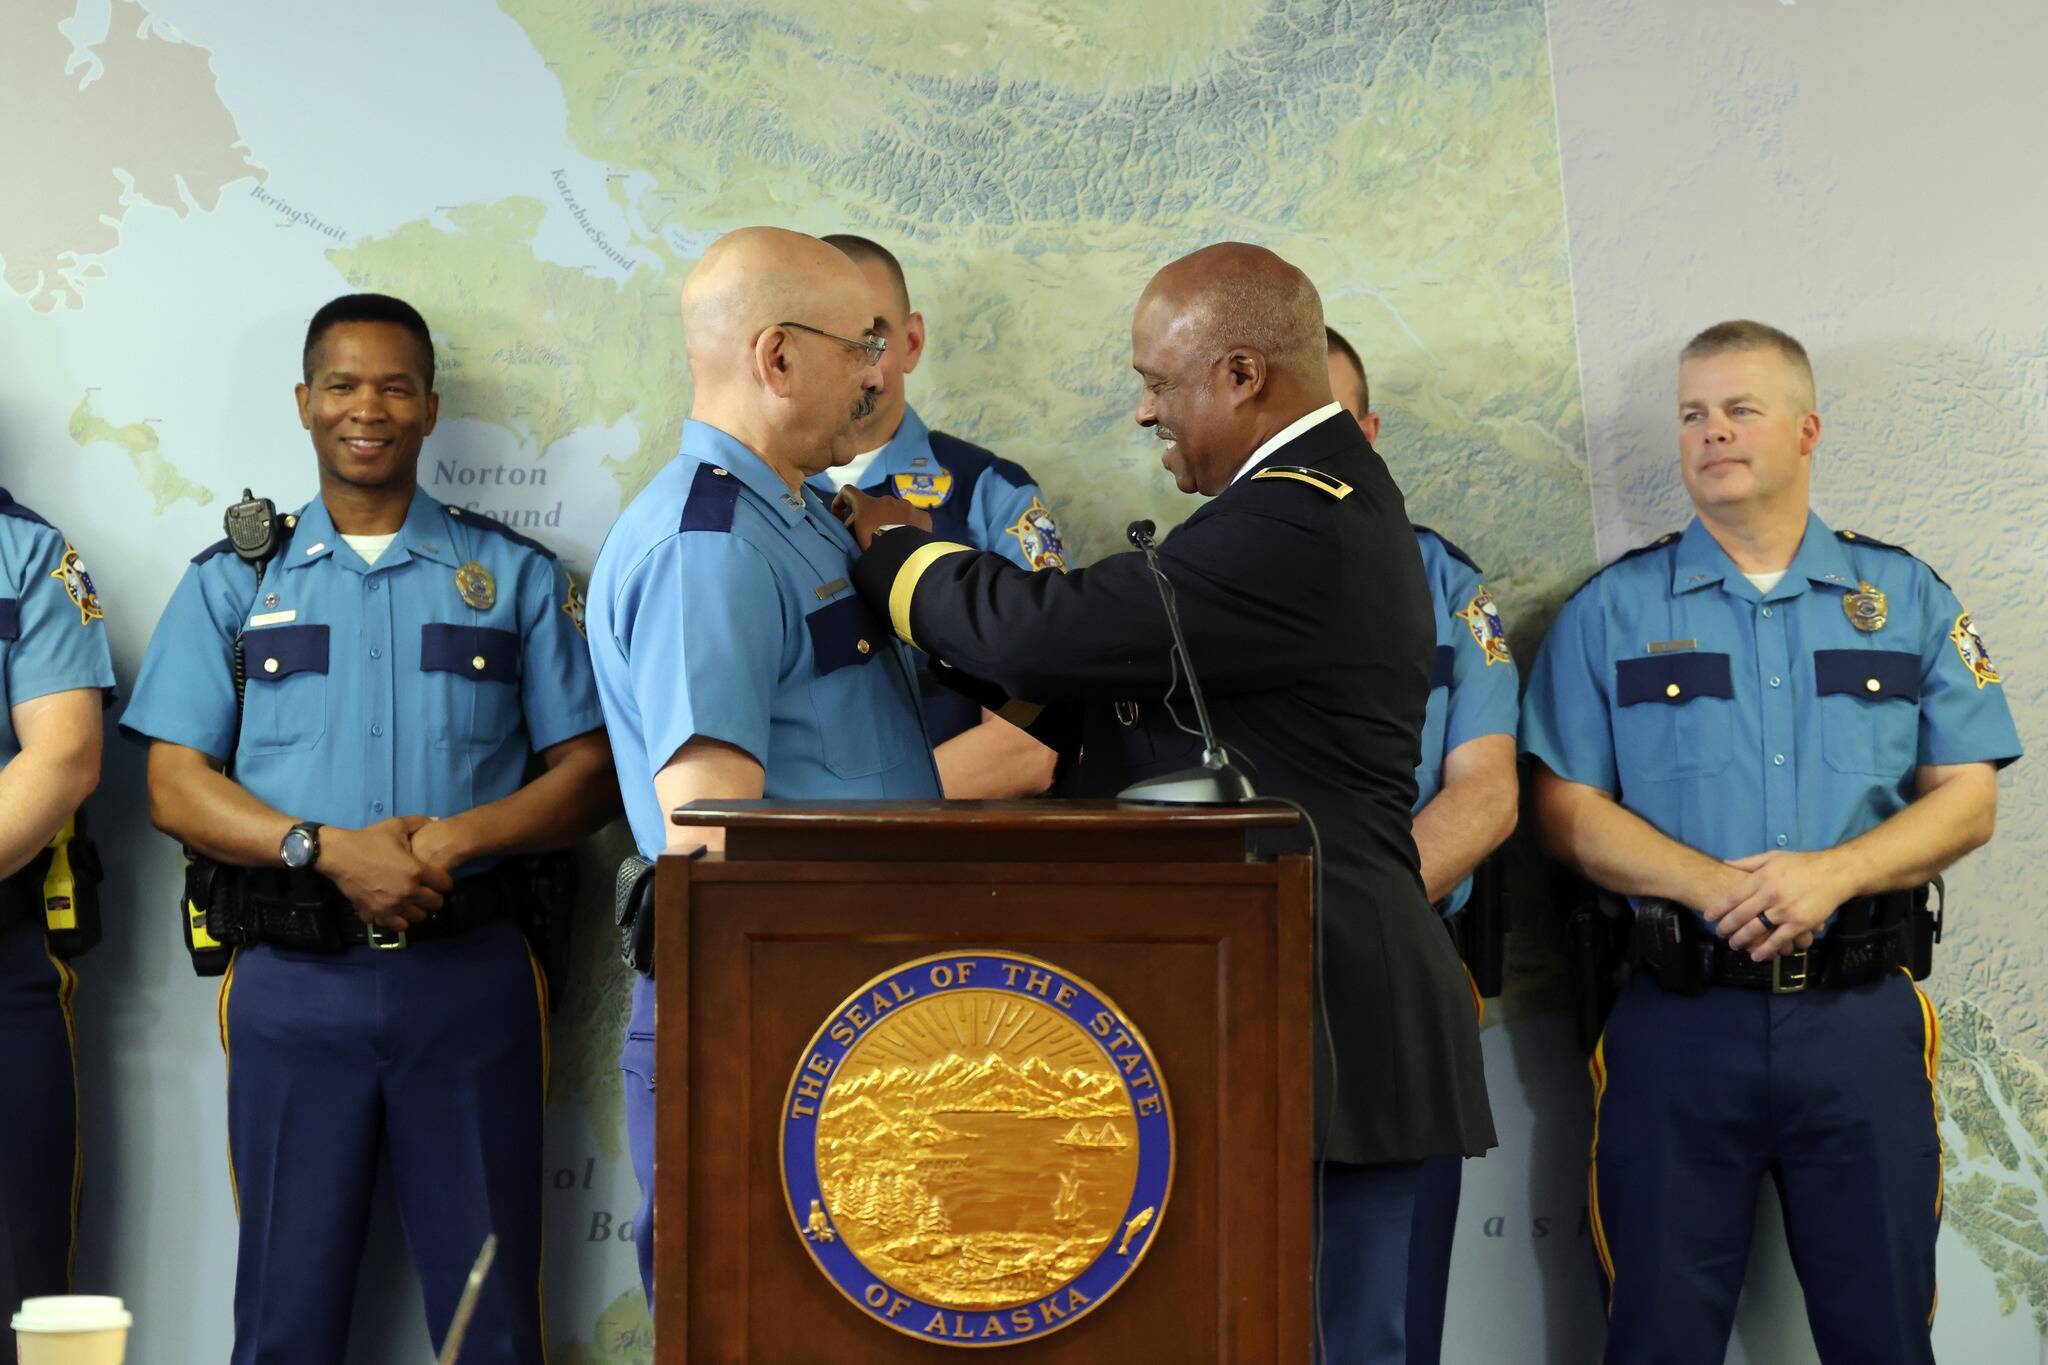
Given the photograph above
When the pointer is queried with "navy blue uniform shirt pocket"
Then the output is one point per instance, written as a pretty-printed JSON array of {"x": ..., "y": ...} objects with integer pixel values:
[
  {"x": 1869, "y": 709},
  {"x": 845, "y": 640},
  {"x": 1674, "y": 716},
  {"x": 472, "y": 675},
  {"x": 285, "y": 704}
]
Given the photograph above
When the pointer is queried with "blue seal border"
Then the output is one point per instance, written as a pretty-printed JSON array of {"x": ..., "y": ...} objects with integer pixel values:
[{"x": 876, "y": 1298}]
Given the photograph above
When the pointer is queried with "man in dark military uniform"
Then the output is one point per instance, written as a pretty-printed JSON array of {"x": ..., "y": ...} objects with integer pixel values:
[
  {"x": 408, "y": 665},
  {"x": 55, "y": 674},
  {"x": 1308, "y": 619}
]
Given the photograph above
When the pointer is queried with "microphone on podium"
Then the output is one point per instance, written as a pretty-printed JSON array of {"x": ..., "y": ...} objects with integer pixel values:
[{"x": 1217, "y": 782}]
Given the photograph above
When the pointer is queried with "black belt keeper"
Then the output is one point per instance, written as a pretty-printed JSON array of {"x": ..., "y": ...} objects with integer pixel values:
[{"x": 303, "y": 911}]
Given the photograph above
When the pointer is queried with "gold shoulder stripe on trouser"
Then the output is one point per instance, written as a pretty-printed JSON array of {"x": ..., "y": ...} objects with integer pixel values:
[
  {"x": 67, "y": 987},
  {"x": 227, "y": 985},
  {"x": 1597, "y": 1066},
  {"x": 1478, "y": 1000},
  {"x": 905, "y": 586},
  {"x": 1315, "y": 479},
  {"x": 547, "y": 1062},
  {"x": 1930, "y": 1032}
]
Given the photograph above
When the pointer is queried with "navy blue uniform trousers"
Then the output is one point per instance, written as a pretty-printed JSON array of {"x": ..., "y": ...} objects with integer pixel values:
[
  {"x": 636, "y": 1063},
  {"x": 1829, "y": 1093},
  {"x": 434, "y": 1054},
  {"x": 1429, "y": 1255},
  {"x": 39, "y": 1166},
  {"x": 1368, "y": 1212}
]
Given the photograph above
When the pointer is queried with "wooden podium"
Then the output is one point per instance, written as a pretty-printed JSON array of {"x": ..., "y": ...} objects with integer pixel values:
[{"x": 1204, "y": 951}]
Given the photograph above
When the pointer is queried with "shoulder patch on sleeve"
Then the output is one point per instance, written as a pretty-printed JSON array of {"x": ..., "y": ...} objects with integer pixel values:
[
  {"x": 714, "y": 494},
  {"x": 483, "y": 523},
  {"x": 1453, "y": 551},
  {"x": 1669, "y": 538},
  {"x": 1314, "y": 478},
  {"x": 10, "y": 508}
]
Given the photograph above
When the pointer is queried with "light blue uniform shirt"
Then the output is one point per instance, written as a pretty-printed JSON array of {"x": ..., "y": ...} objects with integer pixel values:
[
  {"x": 973, "y": 496},
  {"x": 1739, "y": 721},
  {"x": 721, "y": 607},
  {"x": 373, "y": 691},
  {"x": 1473, "y": 686},
  {"x": 52, "y": 638}
]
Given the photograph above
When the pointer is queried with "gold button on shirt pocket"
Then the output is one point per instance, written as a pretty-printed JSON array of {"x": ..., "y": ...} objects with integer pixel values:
[
  {"x": 1674, "y": 716},
  {"x": 285, "y": 705},
  {"x": 472, "y": 673},
  {"x": 1869, "y": 702}
]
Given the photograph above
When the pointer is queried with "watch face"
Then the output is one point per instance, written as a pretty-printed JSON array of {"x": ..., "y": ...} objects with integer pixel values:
[{"x": 298, "y": 848}]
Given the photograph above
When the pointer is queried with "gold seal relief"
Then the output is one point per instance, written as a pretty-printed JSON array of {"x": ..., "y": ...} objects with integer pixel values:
[{"x": 991, "y": 1155}]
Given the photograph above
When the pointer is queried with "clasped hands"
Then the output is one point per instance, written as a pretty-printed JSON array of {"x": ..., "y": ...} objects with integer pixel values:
[
  {"x": 1777, "y": 901},
  {"x": 865, "y": 514},
  {"x": 395, "y": 872}
]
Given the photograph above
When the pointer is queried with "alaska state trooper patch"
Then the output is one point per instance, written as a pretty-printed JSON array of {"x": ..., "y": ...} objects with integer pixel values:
[
  {"x": 977, "y": 1148},
  {"x": 70, "y": 571}
]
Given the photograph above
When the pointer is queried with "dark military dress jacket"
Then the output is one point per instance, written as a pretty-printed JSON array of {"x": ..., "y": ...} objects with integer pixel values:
[{"x": 1309, "y": 623}]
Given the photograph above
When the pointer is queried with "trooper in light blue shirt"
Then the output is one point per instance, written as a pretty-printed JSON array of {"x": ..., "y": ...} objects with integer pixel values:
[
  {"x": 406, "y": 663},
  {"x": 1466, "y": 791},
  {"x": 55, "y": 677},
  {"x": 971, "y": 496},
  {"x": 1769, "y": 734},
  {"x": 733, "y": 658}
]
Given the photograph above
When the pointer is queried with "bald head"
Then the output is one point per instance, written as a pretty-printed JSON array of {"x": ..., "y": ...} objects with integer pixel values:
[
  {"x": 1229, "y": 342},
  {"x": 1234, "y": 295},
  {"x": 791, "y": 393}
]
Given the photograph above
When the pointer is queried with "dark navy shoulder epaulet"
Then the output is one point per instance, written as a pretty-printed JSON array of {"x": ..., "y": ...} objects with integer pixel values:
[
  {"x": 966, "y": 460},
  {"x": 496, "y": 527},
  {"x": 1668, "y": 539},
  {"x": 10, "y": 508},
  {"x": 1317, "y": 479},
  {"x": 286, "y": 524},
  {"x": 714, "y": 494},
  {"x": 1858, "y": 538},
  {"x": 1453, "y": 551}
]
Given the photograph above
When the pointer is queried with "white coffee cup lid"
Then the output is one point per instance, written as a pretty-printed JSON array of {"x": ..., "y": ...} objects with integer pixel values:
[{"x": 72, "y": 1313}]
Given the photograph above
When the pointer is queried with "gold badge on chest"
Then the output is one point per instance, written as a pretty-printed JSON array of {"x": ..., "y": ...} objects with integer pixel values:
[
  {"x": 1866, "y": 608},
  {"x": 478, "y": 588}
]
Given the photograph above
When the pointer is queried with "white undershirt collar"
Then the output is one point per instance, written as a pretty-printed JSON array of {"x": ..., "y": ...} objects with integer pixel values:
[{"x": 1288, "y": 433}]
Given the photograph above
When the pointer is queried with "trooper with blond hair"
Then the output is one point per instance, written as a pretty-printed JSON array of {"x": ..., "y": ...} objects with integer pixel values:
[
  {"x": 1768, "y": 736},
  {"x": 721, "y": 622}
]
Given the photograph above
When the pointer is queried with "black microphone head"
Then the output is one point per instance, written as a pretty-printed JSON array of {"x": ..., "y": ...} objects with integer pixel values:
[{"x": 1140, "y": 532}]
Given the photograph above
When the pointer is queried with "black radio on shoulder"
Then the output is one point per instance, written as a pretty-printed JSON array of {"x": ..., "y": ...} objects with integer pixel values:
[{"x": 251, "y": 527}]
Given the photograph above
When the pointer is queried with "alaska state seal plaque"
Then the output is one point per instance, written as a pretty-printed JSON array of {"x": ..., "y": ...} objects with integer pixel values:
[{"x": 977, "y": 1148}]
